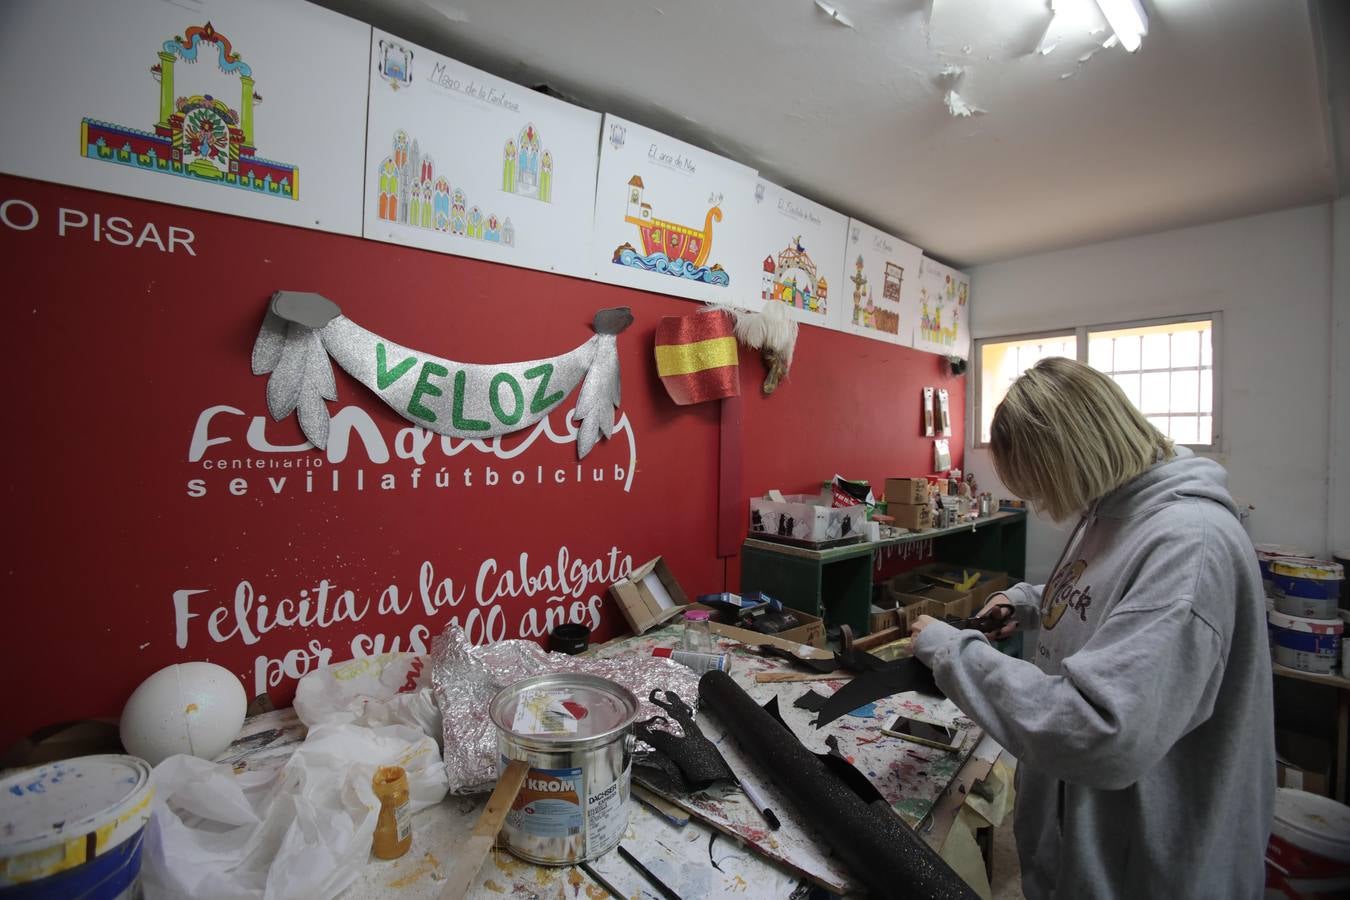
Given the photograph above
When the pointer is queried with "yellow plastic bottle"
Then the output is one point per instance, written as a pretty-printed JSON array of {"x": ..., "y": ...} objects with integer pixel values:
[{"x": 393, "y": 830}]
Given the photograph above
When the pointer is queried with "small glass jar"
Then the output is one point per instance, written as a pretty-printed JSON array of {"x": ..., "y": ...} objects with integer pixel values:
[
  {"x": 697, "y": 631},
  {"x": 393, "y": 829}
]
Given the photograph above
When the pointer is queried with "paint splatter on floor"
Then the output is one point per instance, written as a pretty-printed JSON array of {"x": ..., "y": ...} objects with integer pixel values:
[{"x": 428, "y": 866}]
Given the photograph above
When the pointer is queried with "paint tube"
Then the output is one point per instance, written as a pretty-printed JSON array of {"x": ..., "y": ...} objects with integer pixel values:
[{"x": 699, "y": 662}]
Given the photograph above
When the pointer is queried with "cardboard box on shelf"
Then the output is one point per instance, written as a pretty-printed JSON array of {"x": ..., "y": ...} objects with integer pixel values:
[
  {"x": 906, "y": 490},
  {"x": 649, "y": 596},
  {"x": 954, "y": 577},
  {"x": 804, "y": 517},
  {"x": 1303, "y": 761},
  {"x": 914, "y": 516}
]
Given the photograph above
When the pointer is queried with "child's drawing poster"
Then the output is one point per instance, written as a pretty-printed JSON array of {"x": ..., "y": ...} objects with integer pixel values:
[
  {"x": 802, "y": 247},
  {"x": 879, "y": 285},
  {"x": 944, "y": 310},
  {"x": 460, "y": 161},
  {"x": 672, "y": 218},
  {"x": 245, "y": 107}
]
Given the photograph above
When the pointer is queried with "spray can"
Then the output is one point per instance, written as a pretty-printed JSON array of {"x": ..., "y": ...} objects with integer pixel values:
[{"x": 699, "y": 662}]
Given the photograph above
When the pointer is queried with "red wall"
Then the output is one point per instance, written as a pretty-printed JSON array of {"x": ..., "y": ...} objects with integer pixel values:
[{"x": 117, "y": 351}]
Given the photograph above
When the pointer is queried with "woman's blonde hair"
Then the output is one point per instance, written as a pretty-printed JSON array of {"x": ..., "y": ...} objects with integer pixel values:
[{"x": 1066, "y": 434}]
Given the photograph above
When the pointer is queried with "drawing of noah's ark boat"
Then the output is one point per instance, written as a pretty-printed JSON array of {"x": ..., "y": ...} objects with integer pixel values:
[{"x": 669, "y": 247}]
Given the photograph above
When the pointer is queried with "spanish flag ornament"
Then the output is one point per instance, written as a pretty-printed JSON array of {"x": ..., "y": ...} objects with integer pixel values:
[{"x": 696, "y": 356}]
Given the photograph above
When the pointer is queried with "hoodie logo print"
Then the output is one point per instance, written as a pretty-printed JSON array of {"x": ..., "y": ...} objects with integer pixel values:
[{"x": 1062, "y": 593}]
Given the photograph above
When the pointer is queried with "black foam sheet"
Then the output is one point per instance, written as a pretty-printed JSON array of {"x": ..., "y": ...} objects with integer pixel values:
[{"x": 881, "y": 851}]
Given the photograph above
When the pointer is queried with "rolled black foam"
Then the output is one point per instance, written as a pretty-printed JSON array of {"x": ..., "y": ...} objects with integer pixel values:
[{"x": 877, "y": 846}]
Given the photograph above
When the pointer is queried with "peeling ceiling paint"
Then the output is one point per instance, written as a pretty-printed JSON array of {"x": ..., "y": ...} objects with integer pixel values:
[{"x": 1219, "y": 114}]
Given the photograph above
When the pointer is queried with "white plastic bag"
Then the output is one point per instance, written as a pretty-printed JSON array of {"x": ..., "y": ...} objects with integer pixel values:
[
  {"x": 388, "y": 689},
  {"x": 302, "y": 832}
]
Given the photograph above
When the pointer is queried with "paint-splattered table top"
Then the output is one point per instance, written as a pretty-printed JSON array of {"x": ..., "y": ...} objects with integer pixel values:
[
  {"x": 694, "y": 861},
  {"x": 911, "y": 777}
]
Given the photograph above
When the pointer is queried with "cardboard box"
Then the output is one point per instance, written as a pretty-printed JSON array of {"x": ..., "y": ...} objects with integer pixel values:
[
  {"x": 1303, "y": 762},
  {"x": 907, "y": 615},
  {"x": 989, "y": 583},
  {"x": 914, "y": 516},
  {"x": 811, "y": 633},
  {"x": 802, "y": 517},
  {"x": 885, "y": 614},
  {"x": 910, "y": 588},
  {"x": 906, "y": 490},
  {"x": 649, "y": 596}
]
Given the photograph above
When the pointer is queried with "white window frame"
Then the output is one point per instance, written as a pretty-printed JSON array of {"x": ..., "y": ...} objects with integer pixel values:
[{"x": 1080, "y": 334}]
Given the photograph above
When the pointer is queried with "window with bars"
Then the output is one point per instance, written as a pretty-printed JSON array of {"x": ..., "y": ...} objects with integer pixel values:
[{"x": 1166, "y": 367}]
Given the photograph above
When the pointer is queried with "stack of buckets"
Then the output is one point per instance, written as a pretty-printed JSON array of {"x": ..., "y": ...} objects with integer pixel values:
[{"x": 1303, "y": 599}]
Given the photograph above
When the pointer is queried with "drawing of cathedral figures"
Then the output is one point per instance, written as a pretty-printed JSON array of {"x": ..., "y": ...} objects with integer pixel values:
[
  {"x": 546, "y": 178},
  {"x": 458, "y": 214},
  {"x": 492, "y": 230},
  {"x": 414, "y": 208},
  {"x": 475, "y": 223},
  {"x": 441, "y": 205},
  {"x": 388, "y": 185},
  {"x": 426, "y": 205},
  {"x": 509, "y": 167},
  {"x": 508, "y": 232}
]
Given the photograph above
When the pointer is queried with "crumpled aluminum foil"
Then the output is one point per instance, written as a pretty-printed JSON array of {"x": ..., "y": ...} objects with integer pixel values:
[{"x": 465, "y": 679}]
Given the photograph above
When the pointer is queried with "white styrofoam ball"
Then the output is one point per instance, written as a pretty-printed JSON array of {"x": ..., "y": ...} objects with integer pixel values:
[{"x": 195, "y": 708}]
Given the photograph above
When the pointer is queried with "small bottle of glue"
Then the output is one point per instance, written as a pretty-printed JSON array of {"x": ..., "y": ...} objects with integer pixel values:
[
  {"x": 699, "y": 662},
  {"x": 393, "y": 829}
]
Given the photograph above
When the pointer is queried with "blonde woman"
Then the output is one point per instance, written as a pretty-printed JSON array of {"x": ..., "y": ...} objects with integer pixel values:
[{"x": 1142, "y": 722}]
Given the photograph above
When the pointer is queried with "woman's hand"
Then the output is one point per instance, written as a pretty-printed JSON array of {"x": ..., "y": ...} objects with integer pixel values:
[
  {"x": 919, "y": 625},
  {"x": 1007, "y": 630}
]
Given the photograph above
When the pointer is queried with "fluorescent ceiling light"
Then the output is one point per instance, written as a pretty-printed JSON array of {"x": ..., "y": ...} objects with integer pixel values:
[{"x": 1128, "y": 20}]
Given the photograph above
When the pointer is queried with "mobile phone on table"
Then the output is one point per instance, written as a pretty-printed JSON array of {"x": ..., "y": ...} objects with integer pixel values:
[{"x": 944, "y": 737}]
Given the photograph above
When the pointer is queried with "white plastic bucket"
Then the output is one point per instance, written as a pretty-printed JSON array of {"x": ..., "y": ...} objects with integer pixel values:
[
  {"x": 1309, "y": 851},
  {"x": 1309, "y": 645},
  {"x": 73, "y": 829}
]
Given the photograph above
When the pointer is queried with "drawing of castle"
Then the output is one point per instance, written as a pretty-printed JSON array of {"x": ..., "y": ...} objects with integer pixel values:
[
  {"x": 930, "y": 326},
  {"x": 411, "y": 193},
  {"x": 868, "y": 314},
  {"x": 792, "y": 279},
  {"x": 526, "y": 168},
  {"x": 200, "y": 136}
]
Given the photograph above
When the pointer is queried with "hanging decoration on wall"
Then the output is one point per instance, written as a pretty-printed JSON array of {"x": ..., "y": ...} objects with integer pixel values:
[
  {"x": 773, "y": 332},
  {"x": 302, "y": 330},
  {"x": 696, "y": 356}
]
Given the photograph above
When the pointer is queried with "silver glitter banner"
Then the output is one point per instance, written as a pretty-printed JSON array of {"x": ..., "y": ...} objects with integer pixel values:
[{"x": 302, "y": 331}]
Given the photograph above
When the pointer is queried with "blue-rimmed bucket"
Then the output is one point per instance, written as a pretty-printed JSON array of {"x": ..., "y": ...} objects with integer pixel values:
[
  {"x": 1310, "y": 588},
  {"x": 1268, "y": 553},
  {"x": 73, "y": 829},
  {"x": 1309, "y": 645}
]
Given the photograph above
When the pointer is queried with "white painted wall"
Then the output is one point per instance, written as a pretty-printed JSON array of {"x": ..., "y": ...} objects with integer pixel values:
[
  {"x": 1338, "y": 518},
  {"x": 1271, "y": 277}
]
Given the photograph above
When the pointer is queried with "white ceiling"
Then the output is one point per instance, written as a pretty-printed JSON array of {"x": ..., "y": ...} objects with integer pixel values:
[{"x": 1219, "y": 114}]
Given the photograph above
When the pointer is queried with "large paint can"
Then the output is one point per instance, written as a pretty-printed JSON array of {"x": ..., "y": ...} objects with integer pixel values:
[
  {"x": 576, "y": 733},
  {"x": 74, "y": 828},
  {"x": 1309, "y": 588},
  {"x": 1309, "y": 645},
  {"x": 1268, "y": 553},
  {"x": 1309, "y": 850}
]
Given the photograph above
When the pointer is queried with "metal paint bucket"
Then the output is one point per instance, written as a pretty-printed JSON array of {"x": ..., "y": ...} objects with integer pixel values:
[
  {"x": 1309, "y": 588},
  {"x": 1268, "y": 553},
  {"x": 1309, "y": 645},
  {"x": 576, "y": 732}
]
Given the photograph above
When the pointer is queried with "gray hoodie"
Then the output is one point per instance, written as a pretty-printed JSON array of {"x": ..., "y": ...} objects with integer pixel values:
[{"x": 1142, "y": 725}]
